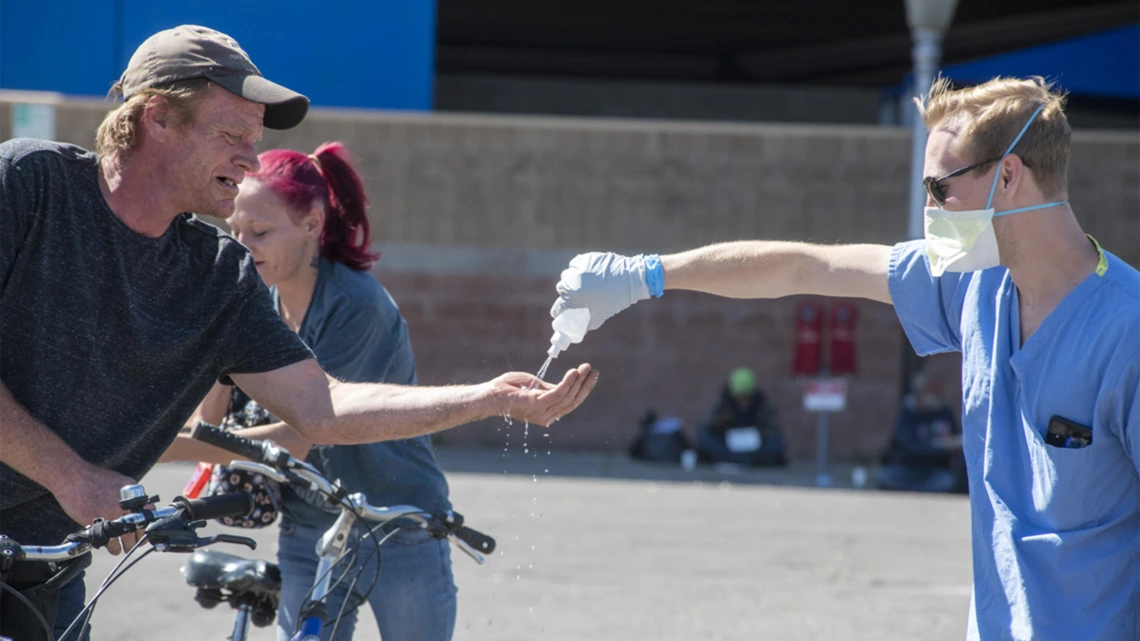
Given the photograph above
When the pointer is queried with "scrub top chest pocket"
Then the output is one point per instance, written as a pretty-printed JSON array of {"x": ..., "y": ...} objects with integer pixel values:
[
  {"x": 1071, "y": 487},
  {"x": 1067, "y": 434}
]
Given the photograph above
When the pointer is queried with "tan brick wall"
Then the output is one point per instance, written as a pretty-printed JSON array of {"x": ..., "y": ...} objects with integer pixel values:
[
  {"x": 671, "y": 354},
  {"x": 563, "y": 183},
  {"x": 477, "y": 215}
]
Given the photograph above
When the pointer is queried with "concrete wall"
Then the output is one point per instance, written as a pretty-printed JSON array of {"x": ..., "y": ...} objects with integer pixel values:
[{"x": 477, "y": 215}]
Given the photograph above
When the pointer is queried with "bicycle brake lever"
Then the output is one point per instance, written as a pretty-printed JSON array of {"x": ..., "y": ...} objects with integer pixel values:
[
  {"x": 437, "y": 531},
  {"x": 468, "y": 550},
  {"x": 172, "y": 535},
  {"x": 228, "y": 538},
  {"x": 175, "y": 535}
]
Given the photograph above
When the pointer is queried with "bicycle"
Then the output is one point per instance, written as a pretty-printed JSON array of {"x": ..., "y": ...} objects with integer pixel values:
[
  {"x": 169, "y": 529},
  {"x": 253, "y": 587}
]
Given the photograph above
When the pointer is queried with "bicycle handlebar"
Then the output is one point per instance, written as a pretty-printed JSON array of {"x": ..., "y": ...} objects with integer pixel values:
[
  {"x": 98, "y": 534},
  {"x": 275, "y": 462},
  {"x": 217, "y": 507},
  {"x": 266, "y": 452},
  {"x": 471, "y": 541},
  {"x": 476, "y": 539}
]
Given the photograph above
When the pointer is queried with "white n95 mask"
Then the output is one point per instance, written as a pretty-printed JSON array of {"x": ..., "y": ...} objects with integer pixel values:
[
  {"x": 960, "y": 241},
  {"x": 964, "y": 241}
]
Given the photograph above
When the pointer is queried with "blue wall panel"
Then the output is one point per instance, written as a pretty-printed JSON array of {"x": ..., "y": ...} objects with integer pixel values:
[
  {"x": 68, "y": 49},
  {"x": 346, "y": 54}
]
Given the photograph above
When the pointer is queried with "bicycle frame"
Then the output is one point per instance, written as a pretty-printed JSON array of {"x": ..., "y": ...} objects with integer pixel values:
[
  {"x": 274, "y": 462},
  {"x": 241, "y": 623},
  {"x": 334, "y": 543}
]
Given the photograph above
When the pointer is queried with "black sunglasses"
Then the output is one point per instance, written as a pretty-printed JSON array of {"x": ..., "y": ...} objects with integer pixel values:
[{"x": 934, "y": 185}]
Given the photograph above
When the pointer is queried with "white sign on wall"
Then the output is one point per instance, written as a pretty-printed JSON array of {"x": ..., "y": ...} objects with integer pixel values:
[
  {"x": 33, "y": 120},
  {"x": 826, "y": 395}
]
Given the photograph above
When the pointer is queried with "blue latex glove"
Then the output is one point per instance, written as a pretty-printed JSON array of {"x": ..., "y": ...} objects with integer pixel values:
[{"x": 607, "y": 283}]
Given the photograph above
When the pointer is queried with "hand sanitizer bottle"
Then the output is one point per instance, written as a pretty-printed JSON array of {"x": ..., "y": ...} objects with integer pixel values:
[{"x": 569, "y": 327}]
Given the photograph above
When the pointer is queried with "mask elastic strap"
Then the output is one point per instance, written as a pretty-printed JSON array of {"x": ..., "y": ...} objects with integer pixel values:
[
  {"x": 997, "y": 173},
  {"x": 1021, "y": 209}
]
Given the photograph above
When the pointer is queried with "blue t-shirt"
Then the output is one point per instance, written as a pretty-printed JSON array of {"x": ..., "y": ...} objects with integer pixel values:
[
  {"x": 358, "y": 335},
  {"x": 1056, "y": 531}
]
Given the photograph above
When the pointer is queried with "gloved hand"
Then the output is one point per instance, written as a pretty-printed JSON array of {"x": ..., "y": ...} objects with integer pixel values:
[{"x": 607, "y": 283}]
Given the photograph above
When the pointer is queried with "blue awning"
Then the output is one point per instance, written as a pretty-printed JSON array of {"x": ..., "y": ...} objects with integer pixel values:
[
  {"x": 1104, "y": 64},
  {"x": 1100, "y": 64}
]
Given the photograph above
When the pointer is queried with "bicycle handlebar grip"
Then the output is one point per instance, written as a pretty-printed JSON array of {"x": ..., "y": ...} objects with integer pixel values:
[
  {"x": 216, "y": 507},
  {"x": 229, "y": 442},
  {"x": 101, "y": 532},
  {"x": 481, "y": 542}
]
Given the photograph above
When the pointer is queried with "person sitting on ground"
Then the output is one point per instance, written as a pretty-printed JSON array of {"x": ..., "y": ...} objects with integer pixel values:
[
  {"x": 743, "y": 428},
  {"x": 925, "y": 454},
  {"x": 662, "y": 439}
]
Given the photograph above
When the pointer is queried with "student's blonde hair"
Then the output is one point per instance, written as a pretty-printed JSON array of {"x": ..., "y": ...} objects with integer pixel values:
[
  {"x": 987, "y": 117},
  {"x": 119, "y": 131}
]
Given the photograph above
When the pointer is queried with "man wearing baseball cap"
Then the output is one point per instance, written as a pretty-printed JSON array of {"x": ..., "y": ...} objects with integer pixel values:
[
  {"x": 121, "y": 310},
  {"x": 190, "y": 51}
]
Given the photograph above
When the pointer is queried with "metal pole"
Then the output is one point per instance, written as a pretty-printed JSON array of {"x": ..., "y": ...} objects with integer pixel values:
[
  {"x": 823, "y": 427},
  {"x": 927, "y": 53},
  {"x": 823, "y": 476}
]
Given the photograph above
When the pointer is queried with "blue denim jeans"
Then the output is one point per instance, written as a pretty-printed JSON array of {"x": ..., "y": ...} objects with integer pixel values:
[
  {"x": 414, "y": 598},
  {"x": 57, "y": 608}
]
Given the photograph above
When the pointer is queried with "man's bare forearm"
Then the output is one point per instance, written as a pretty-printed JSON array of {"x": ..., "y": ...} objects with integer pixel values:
[
  {"x": 773, "y": 269},
  {"x": 326, "y": 411},
  {"x": 32, "y": 449},
  {"x": 367, "y": 412}
]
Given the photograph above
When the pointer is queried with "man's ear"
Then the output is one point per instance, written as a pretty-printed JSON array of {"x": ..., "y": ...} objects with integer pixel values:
[
  {"x": 1012, "y": 170},
  {"x": 156, "y": 119}
]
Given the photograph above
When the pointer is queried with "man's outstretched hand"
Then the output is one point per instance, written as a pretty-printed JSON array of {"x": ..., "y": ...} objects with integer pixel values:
[{"x": 524, "y": 397}]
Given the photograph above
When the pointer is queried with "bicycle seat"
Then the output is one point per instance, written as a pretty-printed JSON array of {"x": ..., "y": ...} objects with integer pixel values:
[{"x": 217, "y": 570}]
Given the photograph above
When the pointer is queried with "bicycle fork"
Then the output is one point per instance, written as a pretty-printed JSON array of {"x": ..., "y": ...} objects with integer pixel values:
[{"x": 330, "y": 550}]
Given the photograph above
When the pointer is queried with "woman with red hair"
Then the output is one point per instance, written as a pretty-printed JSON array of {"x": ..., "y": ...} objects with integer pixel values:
[{"x": 303, "y": 218}]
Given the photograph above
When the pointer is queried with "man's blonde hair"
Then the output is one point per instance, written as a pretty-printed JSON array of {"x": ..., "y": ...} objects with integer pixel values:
[
  {"x": 119, "y": 131},
  {"x": 988, "y": 117}
]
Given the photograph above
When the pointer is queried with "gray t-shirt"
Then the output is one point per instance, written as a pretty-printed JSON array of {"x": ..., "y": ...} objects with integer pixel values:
[
  {"x": 108, "y": 337},
  {"x": 358, "y": 335}
]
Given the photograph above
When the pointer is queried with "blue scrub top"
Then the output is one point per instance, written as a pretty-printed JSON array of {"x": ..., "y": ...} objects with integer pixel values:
[{"x": 1055, "y": 531}]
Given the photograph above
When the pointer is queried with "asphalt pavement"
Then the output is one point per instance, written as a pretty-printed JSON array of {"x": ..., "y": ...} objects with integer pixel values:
[{"x": 595, "y": 546}]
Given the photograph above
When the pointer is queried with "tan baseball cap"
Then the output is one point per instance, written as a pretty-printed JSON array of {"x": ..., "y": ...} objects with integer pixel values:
[{"x": 190, "y": 51}]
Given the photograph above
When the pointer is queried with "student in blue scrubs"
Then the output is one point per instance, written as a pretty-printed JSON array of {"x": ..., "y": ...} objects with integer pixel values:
[{"x": 1048, "y": 324}]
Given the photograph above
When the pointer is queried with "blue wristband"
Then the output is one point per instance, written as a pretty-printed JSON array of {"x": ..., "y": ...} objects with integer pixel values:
[{"x": 654, "y": 275}]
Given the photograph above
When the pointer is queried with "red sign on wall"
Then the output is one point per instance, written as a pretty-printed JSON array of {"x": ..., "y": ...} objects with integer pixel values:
[
  {"x": 842, "y": 339},
  {"x": 809, "y": 334}
]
